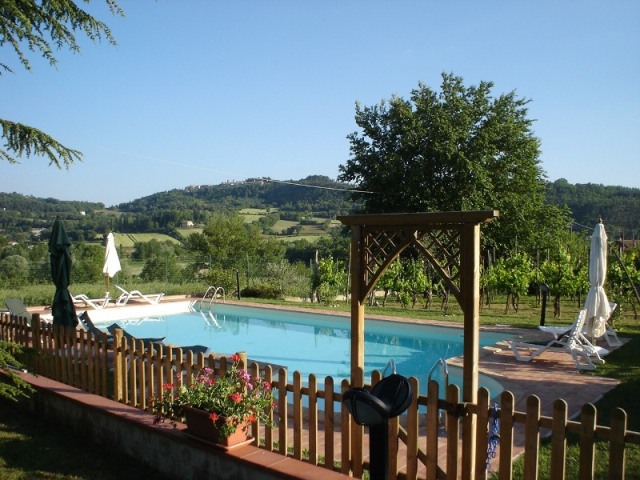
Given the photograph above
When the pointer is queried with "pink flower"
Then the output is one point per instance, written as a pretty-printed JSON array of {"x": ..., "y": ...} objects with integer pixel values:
[
  {"x": 266, "y": 385},
  {"x": 245, "y": 375},
  {"x": 249, "y": 386}
]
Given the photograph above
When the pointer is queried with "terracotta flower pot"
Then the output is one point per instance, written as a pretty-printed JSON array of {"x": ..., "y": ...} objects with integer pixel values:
[{"x": 200, "y": 426}]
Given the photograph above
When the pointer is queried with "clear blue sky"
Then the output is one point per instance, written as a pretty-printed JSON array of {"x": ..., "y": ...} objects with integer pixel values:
[{"x": 205, "y": 91}]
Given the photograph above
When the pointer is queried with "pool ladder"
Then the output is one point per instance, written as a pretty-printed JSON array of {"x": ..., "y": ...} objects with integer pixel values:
[
  {"x": 217, "y": 291},
  {"x": 442, "y": 363}
]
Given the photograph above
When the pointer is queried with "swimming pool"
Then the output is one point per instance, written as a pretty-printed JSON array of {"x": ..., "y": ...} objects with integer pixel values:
[{"x": 312, "y": 342}]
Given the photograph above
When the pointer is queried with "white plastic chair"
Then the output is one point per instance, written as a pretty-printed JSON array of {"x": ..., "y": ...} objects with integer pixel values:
[
  {"x": 572, "y": 341},
  {"x": 125, "y": 296},
  {"x": 95, "y": 303},
  {"x": 610, "y": 335}
]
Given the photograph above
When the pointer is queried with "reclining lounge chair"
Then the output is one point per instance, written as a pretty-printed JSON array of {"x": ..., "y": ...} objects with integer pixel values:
[
  {"x": 584, "y": 354},
  {"x": 95, "y": 303},
  {"x": 125, "y": 296},
  {"x": 610, "y": 334},
  {"x": 89, "y": 326},
  {"x": 186, "y": 349},
  {"x": 18, "y": 309},
  {"x": 114, "y": 326}
]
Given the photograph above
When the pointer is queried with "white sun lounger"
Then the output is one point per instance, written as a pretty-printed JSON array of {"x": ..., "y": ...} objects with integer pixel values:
[
  {"x": 95, "y": 303},
  {"x": 123, "y": 299},
  {"x": 610, "y": 334},
  {"x": 584, "y": 354}
]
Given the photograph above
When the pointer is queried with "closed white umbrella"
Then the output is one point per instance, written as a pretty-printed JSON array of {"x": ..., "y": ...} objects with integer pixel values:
[
  {"x": 597, "y": 304},
  {"x": 111, "y": 260}
]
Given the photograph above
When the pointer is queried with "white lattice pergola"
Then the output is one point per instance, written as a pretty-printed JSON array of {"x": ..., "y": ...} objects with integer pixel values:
[{"x": 450, "y": 241}]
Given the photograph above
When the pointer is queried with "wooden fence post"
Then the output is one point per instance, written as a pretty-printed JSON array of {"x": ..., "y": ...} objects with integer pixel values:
[
  {"x": 532, "y": 438},
  {"x": 587, "y": 441},
  {"x": 329, "y": 426},
  {"x": 297, "y": 415},
  {"x": 313, "y": 419},
  {"x": 118, "y": 367},
  {"x": 282, "y": 411},
  {"x": 453, "y": 432},
  {"x": 482, "y": 434},
  {"x": 559, "y": 440},
  {"x": 345, "y": 432},
  {"x": 413, "y": 425},
  {"x": 268, "y": 429},
  {"x": 433, "y": 417},
  {"x": 616, "y": 445}
]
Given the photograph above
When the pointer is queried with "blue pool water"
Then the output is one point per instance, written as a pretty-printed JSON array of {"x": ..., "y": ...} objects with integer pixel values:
[{"x": 314, "y": 343}]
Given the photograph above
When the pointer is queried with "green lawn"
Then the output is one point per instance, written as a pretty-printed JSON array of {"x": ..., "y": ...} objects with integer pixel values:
[
  {"x": 128, "y": 240},
  {"x": 37, "y": 449}
]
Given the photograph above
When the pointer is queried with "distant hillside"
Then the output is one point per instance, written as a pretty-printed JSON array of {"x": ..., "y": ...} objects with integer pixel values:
[
  {"x": 316, "y": 197},
  {"x": 618, "y": 207},
  {"x": 24, "y": 214}
]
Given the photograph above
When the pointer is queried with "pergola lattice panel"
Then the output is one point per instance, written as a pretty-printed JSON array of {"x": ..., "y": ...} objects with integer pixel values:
[{"x": 440, "y": 246}]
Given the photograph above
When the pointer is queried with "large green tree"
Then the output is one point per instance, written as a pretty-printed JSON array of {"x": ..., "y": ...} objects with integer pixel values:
[
  {"x": 42, "y": 27},
  {"x": 458, "y": 149},
  {"x": 228, "y": 242}
]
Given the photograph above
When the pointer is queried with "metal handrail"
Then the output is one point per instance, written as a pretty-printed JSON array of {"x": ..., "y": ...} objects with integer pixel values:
[
  {"x": 445, "y": 376},
  {"x": 445, "y": 371},
  {"x": 391, "y": 363},
  {"x": 216, "y": 291},
  {"x": 215, "y": 295}
]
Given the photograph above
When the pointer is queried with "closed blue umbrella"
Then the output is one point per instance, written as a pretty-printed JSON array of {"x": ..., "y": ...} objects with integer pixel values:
[{"x": 64, "y": 312}]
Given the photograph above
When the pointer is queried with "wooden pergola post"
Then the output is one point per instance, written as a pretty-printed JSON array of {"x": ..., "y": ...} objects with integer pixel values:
[
  {"x": 470, "y": 288},
  {"x": 450, "y": 241}
]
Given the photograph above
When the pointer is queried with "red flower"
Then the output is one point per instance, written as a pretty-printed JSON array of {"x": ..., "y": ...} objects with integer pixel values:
[
  {"x": 236, "y": 397},
  {"x": 235, "y": 358},
  {"x": 214, "y": 417}
]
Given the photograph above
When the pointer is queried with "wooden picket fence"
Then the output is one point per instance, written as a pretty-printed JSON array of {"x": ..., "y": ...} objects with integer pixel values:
[{"x": 311, "y": 423}]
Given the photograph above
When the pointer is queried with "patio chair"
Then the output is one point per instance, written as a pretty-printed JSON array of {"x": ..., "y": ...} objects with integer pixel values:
[
  {"x": 186, "y": 348},
  {"x": 584, "y": 354},
  {"x": 95, "y": 303},
  {"x": 18, "y": 309},
  {"x": 89, "y": 326},
  {"x": 114, "y": 326},
  {"x": 610, "y": 335},
  {"x": 125, "y": 296}
]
